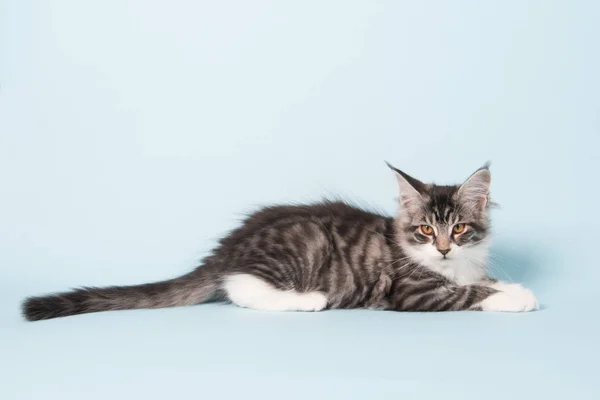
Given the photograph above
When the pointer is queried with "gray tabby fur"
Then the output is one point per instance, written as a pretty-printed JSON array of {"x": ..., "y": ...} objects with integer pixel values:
[{"x": 356, "y": 258}]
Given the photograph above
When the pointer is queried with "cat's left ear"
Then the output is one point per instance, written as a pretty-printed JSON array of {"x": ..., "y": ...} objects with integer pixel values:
[{"x": 475, "y": 192}]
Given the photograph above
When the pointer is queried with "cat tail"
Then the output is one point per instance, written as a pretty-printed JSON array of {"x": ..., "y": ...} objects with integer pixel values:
[{"x": 199, "y": 286}]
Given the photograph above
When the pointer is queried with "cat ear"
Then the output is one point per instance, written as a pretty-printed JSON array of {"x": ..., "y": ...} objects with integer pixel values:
[
  {"x": 411, "y": 189},
  {"x": 475, "y": 192}
]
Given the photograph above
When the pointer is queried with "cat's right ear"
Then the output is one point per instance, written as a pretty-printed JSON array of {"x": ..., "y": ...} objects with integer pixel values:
[{"x": 411, "y": 190}]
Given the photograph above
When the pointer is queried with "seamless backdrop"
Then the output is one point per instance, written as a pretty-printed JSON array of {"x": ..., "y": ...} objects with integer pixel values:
[{"x": 134, "y": 133}]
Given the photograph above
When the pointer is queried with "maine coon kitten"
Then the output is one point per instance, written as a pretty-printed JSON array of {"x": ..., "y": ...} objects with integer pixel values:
[{"x": 431, "y": 257}]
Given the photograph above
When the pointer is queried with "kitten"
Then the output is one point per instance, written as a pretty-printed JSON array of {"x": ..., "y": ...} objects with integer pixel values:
[{"x": 431, "y": 257}]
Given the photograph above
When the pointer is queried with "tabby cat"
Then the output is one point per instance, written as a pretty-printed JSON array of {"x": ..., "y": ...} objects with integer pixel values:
[{"x": 431, "y": 257}]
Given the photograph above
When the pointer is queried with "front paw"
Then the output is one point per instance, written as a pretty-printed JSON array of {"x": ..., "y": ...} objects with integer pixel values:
[{"x": 511, "y": 297}]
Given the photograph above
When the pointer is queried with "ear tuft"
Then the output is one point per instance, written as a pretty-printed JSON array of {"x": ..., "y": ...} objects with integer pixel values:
[
  {"x": 411, "y": 189},
  {"x": 475, "y": 192},
  {"x": 414, "y": 183}
]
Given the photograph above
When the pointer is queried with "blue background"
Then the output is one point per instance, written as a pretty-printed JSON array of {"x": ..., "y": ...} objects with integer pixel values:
[{"x": 134, "y": 133}]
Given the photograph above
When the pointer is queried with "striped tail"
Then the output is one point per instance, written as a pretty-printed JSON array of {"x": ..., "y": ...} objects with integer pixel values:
[{"x": 194, "y": 288}]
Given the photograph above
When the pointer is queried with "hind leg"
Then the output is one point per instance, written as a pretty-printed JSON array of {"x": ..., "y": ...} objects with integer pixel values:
[{"x": 249, "y": 291}]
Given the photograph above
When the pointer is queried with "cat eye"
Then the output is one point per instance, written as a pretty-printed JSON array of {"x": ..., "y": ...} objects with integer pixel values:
[
  {"x": 426, "y": 229},
  {"x": 459, "y": 228}
]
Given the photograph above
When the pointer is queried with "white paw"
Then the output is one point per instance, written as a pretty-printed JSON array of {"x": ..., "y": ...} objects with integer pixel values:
[
  {"x": 511, "y": 297},
  {"x": 313, "y": 301},
  {"x": 249, "y": 291}
]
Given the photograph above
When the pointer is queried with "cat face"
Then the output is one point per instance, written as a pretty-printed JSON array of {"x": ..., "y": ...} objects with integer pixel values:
[{"x": 446, "y": 228}]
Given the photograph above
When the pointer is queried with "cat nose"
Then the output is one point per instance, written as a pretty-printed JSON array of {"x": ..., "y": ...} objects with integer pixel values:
[{"x": 444, "y": 251}]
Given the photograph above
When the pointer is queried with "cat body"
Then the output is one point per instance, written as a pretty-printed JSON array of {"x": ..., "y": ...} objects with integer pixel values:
[{"x": 431, "y": 257}]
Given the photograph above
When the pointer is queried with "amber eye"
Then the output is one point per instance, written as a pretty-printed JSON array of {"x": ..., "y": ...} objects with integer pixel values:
[
  {"x": 459, "y": 228},
  {"x": 426, "y": 229}
]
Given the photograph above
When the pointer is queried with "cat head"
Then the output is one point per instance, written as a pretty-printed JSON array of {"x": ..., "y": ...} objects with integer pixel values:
[{"x": 446, "y": 228}]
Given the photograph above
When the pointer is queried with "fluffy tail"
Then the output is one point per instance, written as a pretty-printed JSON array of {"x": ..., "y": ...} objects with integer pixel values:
[{"x": 194, "y": 288}]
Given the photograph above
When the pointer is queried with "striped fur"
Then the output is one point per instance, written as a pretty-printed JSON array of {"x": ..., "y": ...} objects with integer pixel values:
[{"x": 352, "y": 257}]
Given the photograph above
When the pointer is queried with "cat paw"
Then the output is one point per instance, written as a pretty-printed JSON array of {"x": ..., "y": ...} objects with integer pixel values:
[
  {"x": 313, "y": 301},
  {"x": 511, "y": 297}
]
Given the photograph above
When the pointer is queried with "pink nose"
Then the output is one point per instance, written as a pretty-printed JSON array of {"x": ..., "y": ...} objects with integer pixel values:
[{"x": 444, "y": 251}]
